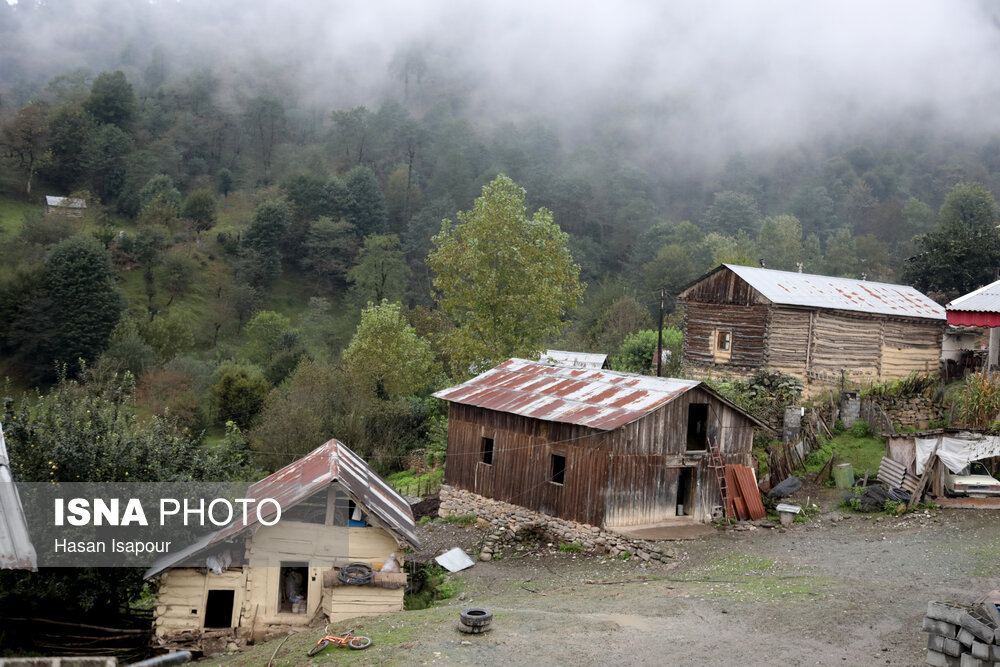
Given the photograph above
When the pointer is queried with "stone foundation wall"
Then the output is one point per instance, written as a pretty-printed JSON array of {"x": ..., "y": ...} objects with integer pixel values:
[
  {"x": 911, "y": 413},
  {"x": 504, "y": 521}
]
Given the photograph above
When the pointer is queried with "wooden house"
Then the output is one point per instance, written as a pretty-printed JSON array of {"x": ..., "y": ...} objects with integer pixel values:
[
  {"x": 599, "y": 447},
  {"x": 72, "y": 207},
  {"x": 821, "y": 329},
  {"x": 242, "y": 581}
]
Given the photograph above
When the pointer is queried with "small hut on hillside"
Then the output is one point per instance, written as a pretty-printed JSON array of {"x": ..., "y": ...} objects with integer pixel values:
[
  {"x": 598, "y": 447},
  {"x": 821, "y": 329},
  {"x": 72, "y": 207},
  {"x": 246, "y": 582}
]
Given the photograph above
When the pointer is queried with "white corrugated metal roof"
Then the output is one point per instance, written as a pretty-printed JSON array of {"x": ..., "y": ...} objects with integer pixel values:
[
  {"x": 983, "y": 300},
  {"x": 813, "y": 291},
  {"x": 16, "y": 549},
  {"x": 68, "y": 202},
  {"x": 577, "y": 359}
]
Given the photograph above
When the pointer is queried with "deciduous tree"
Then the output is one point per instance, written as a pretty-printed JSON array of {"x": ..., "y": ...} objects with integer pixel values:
[{"x": 506, "y": 279}]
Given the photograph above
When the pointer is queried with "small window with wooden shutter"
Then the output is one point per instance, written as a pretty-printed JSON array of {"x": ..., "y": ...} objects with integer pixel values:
[{"x": 722, "y": 344}]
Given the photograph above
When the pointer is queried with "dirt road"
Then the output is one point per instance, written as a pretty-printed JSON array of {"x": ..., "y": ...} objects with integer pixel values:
[{"x": 842, "y": 589}]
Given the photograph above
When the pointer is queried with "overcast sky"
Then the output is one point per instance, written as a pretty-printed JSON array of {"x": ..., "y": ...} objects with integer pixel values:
[{"x": 726, "y": 73}]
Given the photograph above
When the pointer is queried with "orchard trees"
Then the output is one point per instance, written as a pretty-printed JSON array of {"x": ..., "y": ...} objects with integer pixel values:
[{"x": 506, "y": 279}]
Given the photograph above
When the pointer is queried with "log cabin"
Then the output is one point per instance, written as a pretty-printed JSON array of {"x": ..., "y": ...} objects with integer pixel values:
[
  {"x": 821, "y": 329},
  {"x": 594, "y": 446},
  {"x": 246, "y": 582}
]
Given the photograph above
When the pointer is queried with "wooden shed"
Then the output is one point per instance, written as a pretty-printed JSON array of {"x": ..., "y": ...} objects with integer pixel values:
[
  {"x": 242, "y": 581},
  {"x": 599, "y": 447},
  {"x": 821, "y": 329}
]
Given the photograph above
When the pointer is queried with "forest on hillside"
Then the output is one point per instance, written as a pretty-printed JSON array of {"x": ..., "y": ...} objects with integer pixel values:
[{"x": 263, "y": 210}]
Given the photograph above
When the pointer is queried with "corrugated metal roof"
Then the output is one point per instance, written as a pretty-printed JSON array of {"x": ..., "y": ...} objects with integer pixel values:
[
  {"x": 596, "y": 398},
  {"x": 804, "y": 289},
  {"x": 16, "y": 550},
  {"x": 68, "y": 202},
  {"x": 577, "y": 359},
  {"x": 331, "y": 462},
  {"x": 983, "y": 300}
]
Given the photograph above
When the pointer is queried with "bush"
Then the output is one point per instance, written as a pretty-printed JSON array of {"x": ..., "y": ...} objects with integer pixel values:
[{"x": 240, "y": 392}]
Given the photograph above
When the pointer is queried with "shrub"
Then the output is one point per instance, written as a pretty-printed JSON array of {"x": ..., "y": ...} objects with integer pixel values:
[
  {"x": 571, "y": 547},
  {"x": 979, "y": 400}
]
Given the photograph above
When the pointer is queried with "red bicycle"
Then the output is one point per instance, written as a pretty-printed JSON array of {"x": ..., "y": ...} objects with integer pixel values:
[{"x": 349, "y": 640}]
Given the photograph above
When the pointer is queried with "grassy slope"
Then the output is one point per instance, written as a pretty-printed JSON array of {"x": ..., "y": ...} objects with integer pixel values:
[{"x": 862, "y": 452}]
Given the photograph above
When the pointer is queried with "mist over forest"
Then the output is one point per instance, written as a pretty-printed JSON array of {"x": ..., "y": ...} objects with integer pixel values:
[{"x": 257, "y": 173}]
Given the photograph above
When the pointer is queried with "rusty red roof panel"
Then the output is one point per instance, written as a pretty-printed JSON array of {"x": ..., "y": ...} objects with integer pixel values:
[{"x": 599, "y": 399}]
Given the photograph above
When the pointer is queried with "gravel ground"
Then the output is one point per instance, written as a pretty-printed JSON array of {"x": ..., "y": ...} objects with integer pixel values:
[{"x": 839, "y": 589}]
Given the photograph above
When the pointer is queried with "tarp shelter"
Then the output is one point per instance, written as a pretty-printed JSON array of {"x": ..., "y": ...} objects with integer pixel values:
[
  {"x": 956, "y": 451},
  {"x": 980, "y": 308}
]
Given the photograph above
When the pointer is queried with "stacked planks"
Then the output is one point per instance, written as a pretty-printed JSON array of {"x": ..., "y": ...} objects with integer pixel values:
[{"x": 744, "y": 497}]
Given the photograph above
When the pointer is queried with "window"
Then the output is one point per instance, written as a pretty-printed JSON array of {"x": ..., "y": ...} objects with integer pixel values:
[
  {"x": 723, "y": 341},
  {"x": 697, "y": 429},
  {"x": 219, "y": 609},
  {"x": 487, "y": 451},
  {"x": 558, "y": 469}
]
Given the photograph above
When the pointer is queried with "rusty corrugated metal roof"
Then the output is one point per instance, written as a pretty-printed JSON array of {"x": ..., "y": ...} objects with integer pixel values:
[
  {"x": 813, "y": 291},
  {"x": 331, "y": 462},
  {"x": 16, "y": 550},
  {"x": 596, "y": 398},
  {"x": 983, "y": 300}
]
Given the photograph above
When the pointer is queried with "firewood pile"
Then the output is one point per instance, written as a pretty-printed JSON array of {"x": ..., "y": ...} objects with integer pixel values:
[{"x": 963, "y": 635}]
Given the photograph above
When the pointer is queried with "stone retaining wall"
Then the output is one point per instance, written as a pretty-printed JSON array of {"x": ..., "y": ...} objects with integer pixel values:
[
  {"x": 911, "y": 413},
  {"x": 505, "y": 521}
]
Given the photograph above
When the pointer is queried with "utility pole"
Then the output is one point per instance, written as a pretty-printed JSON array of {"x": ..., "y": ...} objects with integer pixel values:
[{"x": 659, "y": 340}]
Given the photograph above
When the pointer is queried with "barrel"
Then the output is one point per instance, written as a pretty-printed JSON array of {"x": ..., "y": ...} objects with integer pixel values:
[{"x": 843, "y": 475}]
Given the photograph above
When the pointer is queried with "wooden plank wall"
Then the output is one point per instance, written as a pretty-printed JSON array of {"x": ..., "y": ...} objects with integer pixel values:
[
  {"x": 625, "y": 477},
  {"x": 183, "y": 592},
  {"x": 909, "y": 347}
]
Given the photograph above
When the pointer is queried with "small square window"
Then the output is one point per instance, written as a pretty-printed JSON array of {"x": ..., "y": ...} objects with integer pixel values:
[
  {"x": 724, "y": 341},
  {"x": 558, "y": 469},
  {"x": 487, "y": 451}
]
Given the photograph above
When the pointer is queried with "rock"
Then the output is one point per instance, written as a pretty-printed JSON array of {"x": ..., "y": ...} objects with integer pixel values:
[{"x": 485, "y": 556}]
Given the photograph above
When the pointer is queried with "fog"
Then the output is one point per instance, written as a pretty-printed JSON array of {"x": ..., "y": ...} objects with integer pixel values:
[{"x": 699, "y": 77}]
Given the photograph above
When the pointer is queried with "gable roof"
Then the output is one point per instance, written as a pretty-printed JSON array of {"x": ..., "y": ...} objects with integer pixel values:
[
  {"x": 599, "y": 399},
  {"x": 578, "y": 359},
  {"x": 331, "y": 462},
  {"x": 65, "y": 202},
  {"x": 788, "y": 288},
  {"x": 16, "y": 549},
  {"x": 986, "y": 299}
]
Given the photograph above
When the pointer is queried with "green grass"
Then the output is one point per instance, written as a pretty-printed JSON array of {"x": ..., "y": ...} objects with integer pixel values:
[
  {"x": 749, "y": 578},
  {"x": 408, "y": 482},
  {"x": 987, "y": 558},
  {"x": 861, "y": 451},
  {"x": 12, "y": 213}
]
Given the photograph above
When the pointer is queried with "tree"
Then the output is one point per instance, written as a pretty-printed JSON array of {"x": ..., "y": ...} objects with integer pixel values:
[
  {"x": 262, "y": 333},
  {"x": 506, "y": 279},
  {"x": 962, "y": 255},
  {"x": 381, "y": 271},
  {"x": 161, "y": 187},
  {"x": 25, "y": 141},
  {"x": 329, "y": 249},
  {"x": 386, "y": 359},
  {"x": 366, "y": 207},
  {"x": 265, "y": 119},
  {"x": 112, "y": 100},
  {"x": 271, "y": 221},
  {"x": 69, "y": 127},
  {"x": 638, "y": 352},
  {"x": 732, "y": 212},
  {"x": 86, "y": 302},
  {"x": 104, "y": 158},
  {"x": 780, "y": 242},
  {"x": 201, "y": 209},
  {"x": 239, "y": 393}
]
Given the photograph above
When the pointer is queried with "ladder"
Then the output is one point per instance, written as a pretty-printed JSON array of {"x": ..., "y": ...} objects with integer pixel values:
[{"x": 715, "y": 462}]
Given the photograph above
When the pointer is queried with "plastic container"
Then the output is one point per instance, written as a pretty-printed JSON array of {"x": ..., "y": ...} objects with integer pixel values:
[{"x": 843, "y": 475}]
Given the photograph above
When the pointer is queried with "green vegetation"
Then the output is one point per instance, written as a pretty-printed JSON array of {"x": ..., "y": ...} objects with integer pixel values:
[
  {"x": 460, "y": 519},
  {"x": 407, "y": 482},
  {"x": 571, "y": 547},
  {"x": 749, "y": 578},
  {"x": 855, "y": 446},
  {"x": 432, "y": 584}
]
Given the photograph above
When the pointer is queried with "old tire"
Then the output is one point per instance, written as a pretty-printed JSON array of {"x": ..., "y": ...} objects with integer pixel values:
[
  {"x": 472, "y": 629},
  {"x": 476, "y": 617},
  {"x": 360, "y": 642},
  {"x": 356, "y": 574},
  {"x": 320, "y": 645}
]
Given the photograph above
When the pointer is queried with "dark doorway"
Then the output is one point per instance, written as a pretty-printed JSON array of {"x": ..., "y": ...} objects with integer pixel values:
[
  {"x": 685, "y": 481},
  {"x": 294, "y": 588},
  {"x": 487, "y": 451},
  {"x": 219, "y": 609},
  {"x": 558, "y": 469},
  {"x": 697, "y": 431}
]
